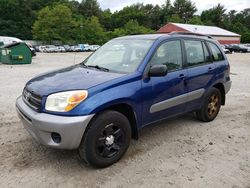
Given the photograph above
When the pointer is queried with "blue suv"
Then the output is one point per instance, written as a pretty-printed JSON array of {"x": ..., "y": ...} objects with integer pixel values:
[{"x": 98, "y": 105}]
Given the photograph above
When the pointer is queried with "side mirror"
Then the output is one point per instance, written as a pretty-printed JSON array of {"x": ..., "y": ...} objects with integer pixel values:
[{"x": 158, "y": 70}]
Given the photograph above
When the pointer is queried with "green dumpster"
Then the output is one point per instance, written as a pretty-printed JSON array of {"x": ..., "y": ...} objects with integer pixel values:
[
  {"x": 15, "y": 53},
  {"x": 1, "y": 45}
]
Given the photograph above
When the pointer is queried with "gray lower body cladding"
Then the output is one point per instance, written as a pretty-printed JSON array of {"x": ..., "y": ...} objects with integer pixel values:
[{"x": 163, "y": 105}]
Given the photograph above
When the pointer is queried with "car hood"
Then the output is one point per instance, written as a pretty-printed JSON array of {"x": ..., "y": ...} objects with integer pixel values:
[{"x": 70, "y": 78}]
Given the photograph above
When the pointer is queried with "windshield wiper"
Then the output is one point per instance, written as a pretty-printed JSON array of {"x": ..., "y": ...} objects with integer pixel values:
[{"x": 96, "y": 67}]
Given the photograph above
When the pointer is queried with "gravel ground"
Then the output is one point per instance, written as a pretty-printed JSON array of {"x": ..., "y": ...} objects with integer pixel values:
[{"x": 180, "y": 152}]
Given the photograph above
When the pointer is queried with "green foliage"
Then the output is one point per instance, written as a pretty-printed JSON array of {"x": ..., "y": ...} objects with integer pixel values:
[
  {"x": 166, "y": 12},
  {"x": 185, "y": 9},
  {"x": 90, "y": 8},
  {"x": 245, "y": 38},
  {"x": 214, "y": 15},
  {"x": 106, "y": 20},
  {"x": 132, "y": 27},
  {"x": 93, "y": 32},
  {"x": 73, "y": 21},
  {"x": 54, "y": 23},
  {"x": 118, "y": 32},
  {"x": 196, "y": 20},
  {"x": 120, "y": 18},
  {"x": 15, "y": 18},
  {"x": 175, "y": 18}
]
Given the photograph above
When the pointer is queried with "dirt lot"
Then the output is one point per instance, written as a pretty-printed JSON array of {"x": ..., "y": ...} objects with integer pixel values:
[{"x": 181, "y": 152}]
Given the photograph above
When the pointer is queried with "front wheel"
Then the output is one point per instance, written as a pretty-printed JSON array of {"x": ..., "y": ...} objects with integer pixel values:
[
  {"x": 106, "y": 139},
  {"x": 211, "y": 106}
]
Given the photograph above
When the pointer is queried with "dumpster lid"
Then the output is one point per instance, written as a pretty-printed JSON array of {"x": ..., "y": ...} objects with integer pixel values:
[{"x": 11, "y": 44}]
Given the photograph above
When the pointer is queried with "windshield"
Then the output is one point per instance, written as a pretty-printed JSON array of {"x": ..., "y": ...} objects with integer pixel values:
[{"x": 120, "y": 55}]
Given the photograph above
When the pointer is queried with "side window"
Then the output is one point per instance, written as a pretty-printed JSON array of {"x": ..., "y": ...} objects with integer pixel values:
[
  {"x": 216, "y": 53},
  {"x": 169, "y": 53},
  {"x": 195, "y": 52},
  {"x": 206, "y": 54}
]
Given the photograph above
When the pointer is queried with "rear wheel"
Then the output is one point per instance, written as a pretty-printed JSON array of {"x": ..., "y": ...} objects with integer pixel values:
[
  {"x": 106, "y": 140},
  {"x": 211, "y": 106}
]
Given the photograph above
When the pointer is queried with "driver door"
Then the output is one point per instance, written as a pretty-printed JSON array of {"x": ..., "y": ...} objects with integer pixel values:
[{"x": 165, "y": 96}]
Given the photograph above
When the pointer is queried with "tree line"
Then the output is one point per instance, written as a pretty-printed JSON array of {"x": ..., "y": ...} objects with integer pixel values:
[{"x": 85, "y": 22}]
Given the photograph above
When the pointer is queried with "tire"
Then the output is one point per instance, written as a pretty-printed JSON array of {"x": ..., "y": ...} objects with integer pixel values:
[
  {"x": 106, "y": 140},
  {"x": 211, "y": 106}
]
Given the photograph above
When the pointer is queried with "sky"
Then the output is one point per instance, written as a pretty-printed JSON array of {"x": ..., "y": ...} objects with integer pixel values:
[{"x": 201, "y": 5}]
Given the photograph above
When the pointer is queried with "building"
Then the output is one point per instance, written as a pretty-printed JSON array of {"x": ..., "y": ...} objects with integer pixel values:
[{"x": 222, "y": 35}]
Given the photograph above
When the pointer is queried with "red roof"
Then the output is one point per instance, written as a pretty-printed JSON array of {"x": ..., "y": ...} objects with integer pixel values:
[{"x": 168, "y": 28}]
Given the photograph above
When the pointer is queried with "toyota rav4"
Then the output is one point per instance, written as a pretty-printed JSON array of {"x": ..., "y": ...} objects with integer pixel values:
[{"x": 98, "y": 105}]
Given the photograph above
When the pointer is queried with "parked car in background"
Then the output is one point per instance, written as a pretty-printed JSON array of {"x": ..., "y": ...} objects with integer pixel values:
[
  {"x": 98, "y": 105},
  {"x": 225, "y": 50},
  {"x": 32, "y": 49},
  {"x": 243, "y": 48},
  {"x": 76, "y": 49},
  {"x": 61, "y": 49},
  {"x": 237, "y": 48},
  {"x": 67, "y": 48},
  {"x": 42, "y": 48},
  {"x": 94, "y": 47},
  {"x": 84, "y": 47},
  {"x": 247, "y": 46},
  {"x": 36, "y": 47},
  {"x": 51, "y": 49}
]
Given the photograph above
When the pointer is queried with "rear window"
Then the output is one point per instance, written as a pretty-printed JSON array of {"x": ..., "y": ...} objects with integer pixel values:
[{"x": 216, "y": 53}]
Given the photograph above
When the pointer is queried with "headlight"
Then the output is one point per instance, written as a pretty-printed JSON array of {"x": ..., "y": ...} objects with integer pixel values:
[{"x": 65, "y": 101}]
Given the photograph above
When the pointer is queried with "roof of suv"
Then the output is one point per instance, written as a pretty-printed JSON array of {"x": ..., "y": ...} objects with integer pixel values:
[
  {"x": 146, "y": 36},
  {"x": 165, "y": 35}
]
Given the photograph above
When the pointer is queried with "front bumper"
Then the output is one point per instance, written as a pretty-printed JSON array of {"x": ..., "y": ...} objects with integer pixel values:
[{"x": 42, "y": 125}]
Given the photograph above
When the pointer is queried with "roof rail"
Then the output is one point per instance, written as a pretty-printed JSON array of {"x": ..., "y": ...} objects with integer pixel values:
[{"x": 189, "y": 33}]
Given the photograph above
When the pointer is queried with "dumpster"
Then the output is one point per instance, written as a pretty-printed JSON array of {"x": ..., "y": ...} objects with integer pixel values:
[
  {"x": 1, "y": 45},
  {"x": 15, "y": 53}
]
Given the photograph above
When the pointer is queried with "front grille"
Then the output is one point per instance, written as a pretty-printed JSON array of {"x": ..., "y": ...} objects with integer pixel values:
[{"x": 32, "y": 100}]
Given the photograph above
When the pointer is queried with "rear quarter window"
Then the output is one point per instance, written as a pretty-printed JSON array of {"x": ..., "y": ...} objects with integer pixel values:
[{"x": 216, "y": 53}]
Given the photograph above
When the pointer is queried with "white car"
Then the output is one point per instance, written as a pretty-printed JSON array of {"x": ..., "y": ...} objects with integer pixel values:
[
  {"x": 51, "y": 49},
  {"x": 247, "y": 46},
  {"x": 226, "y": 51},
  {"x": 94, "y": 47},
  {"x": 76, "y": 49},
  {"x": 61, "y": 49},
  {"x": 42, "y": 48}
]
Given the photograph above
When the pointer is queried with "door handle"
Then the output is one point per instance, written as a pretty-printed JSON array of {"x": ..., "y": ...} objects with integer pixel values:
[
  {"x": 210, "y": 69},
  {"x": 181, "y": 76}
]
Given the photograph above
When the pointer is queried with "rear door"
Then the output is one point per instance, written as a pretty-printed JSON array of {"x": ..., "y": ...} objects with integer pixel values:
[
  {"x": 220, "y": 62},
  {"x": 201, "y": 71}
]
